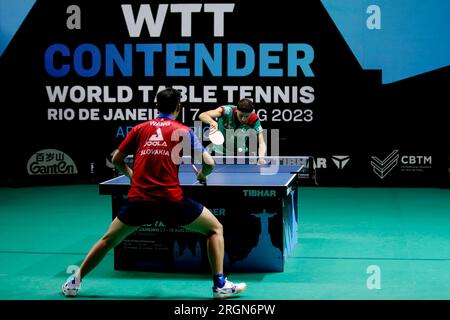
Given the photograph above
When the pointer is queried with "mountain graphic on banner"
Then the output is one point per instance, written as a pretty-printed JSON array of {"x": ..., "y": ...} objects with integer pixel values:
[
  {"x": 12, "y": 14},
  {"x": 191, "y": 260},
  {"x": 411, "y": 37}
]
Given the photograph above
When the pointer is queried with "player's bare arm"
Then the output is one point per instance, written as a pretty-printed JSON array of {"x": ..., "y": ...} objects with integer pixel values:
[
  {"x": 262, "y": 148},
  {"x": 119, "y": 162},
  {"x": 209, "y": 117},
  {"x": 207, "y": 166}
]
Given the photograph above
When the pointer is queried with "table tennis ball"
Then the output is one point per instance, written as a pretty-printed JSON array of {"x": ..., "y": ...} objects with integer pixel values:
[{"x": 239, "y": 149}]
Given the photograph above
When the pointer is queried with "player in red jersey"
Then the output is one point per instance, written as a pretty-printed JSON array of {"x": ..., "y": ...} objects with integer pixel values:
[{"x": 156, "y": 195}]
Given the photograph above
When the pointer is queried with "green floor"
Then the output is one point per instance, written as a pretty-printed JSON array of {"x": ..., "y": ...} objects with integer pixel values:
[{"x": 342, "y": 232}]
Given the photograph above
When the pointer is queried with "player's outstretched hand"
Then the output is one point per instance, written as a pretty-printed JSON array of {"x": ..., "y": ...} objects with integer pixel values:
[
  {"x": 201, "y": 177},
  {"x": 213, "y": 126}
]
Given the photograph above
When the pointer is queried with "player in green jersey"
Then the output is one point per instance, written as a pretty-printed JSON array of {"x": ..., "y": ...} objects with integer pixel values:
[{"x": 241, "y": 128}]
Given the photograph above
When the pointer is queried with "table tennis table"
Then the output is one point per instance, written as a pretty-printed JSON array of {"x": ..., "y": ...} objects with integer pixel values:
[{"x": 257, "y": 206}]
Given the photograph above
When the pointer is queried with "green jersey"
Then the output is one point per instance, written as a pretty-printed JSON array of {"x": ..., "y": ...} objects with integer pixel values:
[{"x": 240, "y": 137}]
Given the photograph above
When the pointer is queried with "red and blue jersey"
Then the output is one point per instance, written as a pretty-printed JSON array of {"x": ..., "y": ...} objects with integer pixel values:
[{"x": 157, "y": 146}]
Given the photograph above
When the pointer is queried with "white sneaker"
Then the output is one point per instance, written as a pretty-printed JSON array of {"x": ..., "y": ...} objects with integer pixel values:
[
  {"x": 230, "y": 289},
  {"x": 70, "y": 288}
]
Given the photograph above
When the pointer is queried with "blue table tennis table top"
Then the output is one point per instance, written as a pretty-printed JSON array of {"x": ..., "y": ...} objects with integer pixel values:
[{"x": 235, "y": 175}]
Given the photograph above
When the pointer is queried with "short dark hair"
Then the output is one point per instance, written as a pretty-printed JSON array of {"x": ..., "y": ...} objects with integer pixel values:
[
  {"x": 245, "y": 105},
  {"x": 167, "y": 100}
]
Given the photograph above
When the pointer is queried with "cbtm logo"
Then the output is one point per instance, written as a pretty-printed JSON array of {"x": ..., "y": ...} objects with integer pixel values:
[
  {"x": 407, "y": 163},
  {"x": 50, "y": 162},
  {"x": 260, "y": 193}
]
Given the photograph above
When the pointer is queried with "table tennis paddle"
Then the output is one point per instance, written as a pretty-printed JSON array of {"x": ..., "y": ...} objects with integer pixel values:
[{"x": 216, "y": 137}]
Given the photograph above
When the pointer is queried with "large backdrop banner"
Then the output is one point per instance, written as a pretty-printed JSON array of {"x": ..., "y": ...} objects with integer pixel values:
[{"x": 359, "y": 85}]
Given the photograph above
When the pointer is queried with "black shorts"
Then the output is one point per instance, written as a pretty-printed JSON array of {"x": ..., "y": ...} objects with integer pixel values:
[{"x": 172, "y": 214}]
